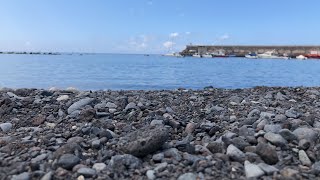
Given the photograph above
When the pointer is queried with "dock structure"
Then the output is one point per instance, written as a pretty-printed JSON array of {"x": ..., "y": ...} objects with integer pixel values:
[{"x": 242, "y": 50}]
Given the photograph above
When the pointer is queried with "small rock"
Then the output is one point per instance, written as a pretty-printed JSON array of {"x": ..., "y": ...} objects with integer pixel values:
[
  {"x": 275, "y": 139},
  {"x": 143, "y": 141},
  {"x": 254, "y": 114},
  {"x": 289, "y": 173},
  {"x": 280, "y": 96},
  {"x": 87, "y": 172},
  {"x": 287, "y": 134},
  {"x": 235, "y": 154},
  {"x": 274, "y": 128},
  {"x": 111, "y": 105},
  {"x": 316, "y": 167},
  {"x": 111, "y": 110},
  {"x": 5, "y": 127},
  {"x": 215, "y": 147},
  {"x": 150, "y": 174},
  {"x": 267, "y": 115},
  {"x": 156, "y": 122},
  {"x": 96, "y": 144},
  {"x": 81, "y": 177},
  {"x": 39, "y": 158},
  {"x": 280, "y": 118},
  {"x": 99, "y": 166},
  {"x": 63, "y": 98},
  {"x": 124, "y": 162},
  {"x": 304, "y": 159},
  {"x": 67, "y": 161},
  {"x": 305, "y": 133},
  {"x": 158, "y": 157},
  {"x": 267, "y": 168},
  {"x": 291, "y": 113},
  {"x": 79, "y": 104},
  {"x": 22, "y": 176},
  {"x": 214, "y": 130},
  {"x": 130, "y": 106},
  {"x": 240, "y": 143},
  {"x": 173, "y": 153},
  {"x": 47, "y": 176},
  {"x": 267, "y": 153},
  {"x": 188, "y": 176},
  {"x": 190, "y": 128},
  {"x": 252, "y": 170},
  {"x": 161, "y": 167},
  {"x": 304, "y": 144}
]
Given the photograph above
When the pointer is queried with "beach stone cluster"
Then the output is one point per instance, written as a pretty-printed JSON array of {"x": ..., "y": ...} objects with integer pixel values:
[{"x": 261, "y": 132}]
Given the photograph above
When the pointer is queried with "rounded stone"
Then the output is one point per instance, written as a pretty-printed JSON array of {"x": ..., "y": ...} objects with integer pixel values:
[
  {"x": 305, "y": 133},
  {"x": 5, "y": 127},
  {"x": 150, "y": 174},
  {"x": 99, "y": 166},
  {"x": 235, "y": 154},
  {"x": 144, "y": 141},
  {"x": 87, "y": 172},
  {"x": 188, "y": 176},
  {"x": 68, "y": 161}
]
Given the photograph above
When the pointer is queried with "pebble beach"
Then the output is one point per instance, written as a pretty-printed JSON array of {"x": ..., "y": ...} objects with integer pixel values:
[{"x": 261, "y": 132}]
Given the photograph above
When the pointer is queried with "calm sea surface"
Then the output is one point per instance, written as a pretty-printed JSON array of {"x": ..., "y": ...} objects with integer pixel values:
[{"x": 110, "y": 71}]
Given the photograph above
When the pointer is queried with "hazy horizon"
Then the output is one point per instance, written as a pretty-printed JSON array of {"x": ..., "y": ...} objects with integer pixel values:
[{"x": 153, "y": 26}]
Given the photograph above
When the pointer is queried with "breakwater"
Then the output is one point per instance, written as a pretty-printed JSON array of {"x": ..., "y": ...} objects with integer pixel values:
[{"x": 239, "y": 50}]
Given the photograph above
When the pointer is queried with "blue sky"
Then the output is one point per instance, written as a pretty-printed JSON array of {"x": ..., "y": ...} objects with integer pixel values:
[{"x": 154, "y": 26}]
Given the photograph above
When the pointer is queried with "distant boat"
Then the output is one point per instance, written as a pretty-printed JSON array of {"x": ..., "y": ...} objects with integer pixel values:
[
  {"x": 313, "y": 55},
  {"x": 271, "y": 55},
  {"x": 206, "y": 55},
  {"x": 301, "y": 57},
  {"x": 251, "y": 56},
  {"x": 196, "y": 55},
  {"x": 219, "y": 54},
  {"x": 174, "y": 54}
]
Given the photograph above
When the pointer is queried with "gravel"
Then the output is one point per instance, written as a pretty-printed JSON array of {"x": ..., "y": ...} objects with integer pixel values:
[{"x": 262, "y": 132}]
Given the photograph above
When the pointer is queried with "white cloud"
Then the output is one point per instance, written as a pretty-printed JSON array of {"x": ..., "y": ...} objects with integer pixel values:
[
  {"x": 168, "y": 44},
  {"x": 28, "y": 43},
  {"x": 224, "y": 37},
  {"x": 188, "y": 33},
  {"x": 174, "y": 35}
]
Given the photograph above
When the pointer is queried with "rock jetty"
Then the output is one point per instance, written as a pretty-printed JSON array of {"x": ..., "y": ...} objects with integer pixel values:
[{"x": 262, "y": 132}]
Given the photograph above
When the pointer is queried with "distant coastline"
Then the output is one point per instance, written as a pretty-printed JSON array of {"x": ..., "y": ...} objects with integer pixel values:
[{"x": 31, "y": 53}]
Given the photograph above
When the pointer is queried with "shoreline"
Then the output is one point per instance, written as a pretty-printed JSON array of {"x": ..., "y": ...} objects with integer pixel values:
[{"x": 268, "y": 132}]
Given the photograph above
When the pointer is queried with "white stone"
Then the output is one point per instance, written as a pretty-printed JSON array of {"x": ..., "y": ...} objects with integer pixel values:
[
  {"x": 303, "y": 157},
  {"x": 5, "y": 127},
  {"x": 150, "y": 174},
  {"x": 99, "y": 166},
  {"x": 188, "y": 176},
  {"x": 111, "y": 105},
  {"x": 252, "y": 170},
  {"x": 63, "y": 98},
  {"x": 111, "y": 110}
]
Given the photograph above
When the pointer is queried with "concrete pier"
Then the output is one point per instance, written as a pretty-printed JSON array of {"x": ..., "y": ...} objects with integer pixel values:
[{"x": 241, "y": 51}]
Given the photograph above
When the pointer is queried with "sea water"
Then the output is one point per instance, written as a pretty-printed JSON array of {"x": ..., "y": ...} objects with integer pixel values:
[{"x": 154, "y": 72}]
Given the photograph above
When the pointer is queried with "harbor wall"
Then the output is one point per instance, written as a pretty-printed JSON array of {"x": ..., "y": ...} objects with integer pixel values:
[{"x": 243, "y": 50}]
